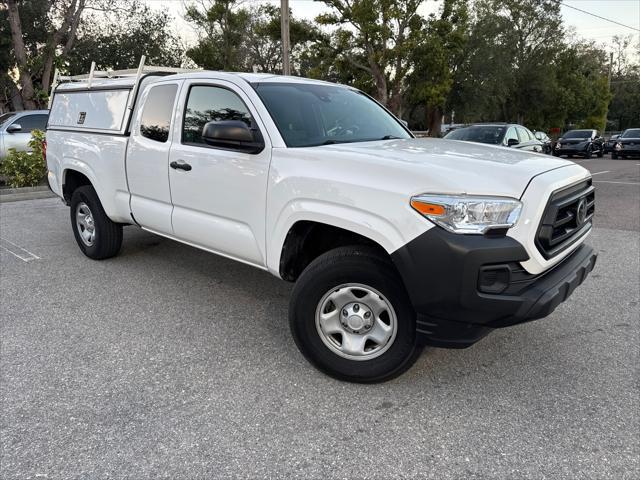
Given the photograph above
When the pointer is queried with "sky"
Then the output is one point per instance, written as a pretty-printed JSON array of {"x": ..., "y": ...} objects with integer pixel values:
[{"x": 626, "y": 12}]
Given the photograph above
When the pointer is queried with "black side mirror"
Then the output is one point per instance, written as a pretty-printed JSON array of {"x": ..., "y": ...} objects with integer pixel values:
[
  {"x": 233, "y": 135},
  {"x": 511, "y": 142},
  {"x": 14, "y": 128}
]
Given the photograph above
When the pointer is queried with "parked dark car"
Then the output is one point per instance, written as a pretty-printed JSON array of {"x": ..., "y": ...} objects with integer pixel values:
[
  {"x": 580, "y": 143},
  {"x": 547, "y": 144},
  {"x": 610, "y": 143},
  {"x": 504, "y": 134},
  {"x": 628, "y": 144}
]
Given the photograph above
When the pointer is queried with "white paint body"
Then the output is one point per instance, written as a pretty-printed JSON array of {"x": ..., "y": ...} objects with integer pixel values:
[{"x": 242, "y": 206}]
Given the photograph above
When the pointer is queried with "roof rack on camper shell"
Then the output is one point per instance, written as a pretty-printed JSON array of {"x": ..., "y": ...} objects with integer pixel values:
[{"x": 133, "y": 73}]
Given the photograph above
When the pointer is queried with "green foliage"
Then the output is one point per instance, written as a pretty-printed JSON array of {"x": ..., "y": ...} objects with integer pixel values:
[
  {"x": 25, "y": 169},
  {"x": 117, "y": 40}
]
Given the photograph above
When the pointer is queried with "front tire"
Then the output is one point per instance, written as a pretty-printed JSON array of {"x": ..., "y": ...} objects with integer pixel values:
[
  {"x": 351, "y": 317},
  {"x": 97, "y": 236},
  {"x": 614, "y": 156}
]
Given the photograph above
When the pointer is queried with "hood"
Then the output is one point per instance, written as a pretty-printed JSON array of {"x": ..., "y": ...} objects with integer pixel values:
[{"x": 429, "y": 165}]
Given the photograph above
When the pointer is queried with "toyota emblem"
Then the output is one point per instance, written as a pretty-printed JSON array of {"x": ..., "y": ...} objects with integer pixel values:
[{"x": 581, "y": 212}]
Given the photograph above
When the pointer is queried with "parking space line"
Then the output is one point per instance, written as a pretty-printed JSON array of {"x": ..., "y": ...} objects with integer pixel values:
[
  {"x": 17, "y": 250},
  {"x": 598, "y": 173},
  {"x": 621, "y": 183}
]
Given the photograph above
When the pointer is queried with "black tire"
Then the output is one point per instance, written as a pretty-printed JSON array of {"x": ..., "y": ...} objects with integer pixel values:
[
  {"x": 601, "y": 152},
  {"x": 589, "y": 152},
  {"x": 359, "y": 265},
  {"x": 108, "y": 235},
  {"x": 614, "y": 156}
]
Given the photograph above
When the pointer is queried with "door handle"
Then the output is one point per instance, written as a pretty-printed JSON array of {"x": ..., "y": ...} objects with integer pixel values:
[{"x": 180, "y": 166}]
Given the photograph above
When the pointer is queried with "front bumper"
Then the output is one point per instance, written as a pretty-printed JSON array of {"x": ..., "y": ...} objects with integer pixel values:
[
  {"x": 441, "y": 271},
  {"x": 628, "y": 151},
  {"x": 570, "y": 151}
]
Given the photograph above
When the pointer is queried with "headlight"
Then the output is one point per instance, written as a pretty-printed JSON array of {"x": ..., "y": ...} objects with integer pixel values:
[
  {"x": 468, "y": 213},
  {"x": 558, "y": 145},
  {"x": 618, "y": 146}
]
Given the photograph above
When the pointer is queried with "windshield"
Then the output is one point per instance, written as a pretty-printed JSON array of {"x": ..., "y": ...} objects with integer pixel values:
[
  {"x": 308, "y": 115},
  {"x": 578, "y": 134},
  {"x": 479, "y": 133},
  {"x": 631, "y": 133},
  {"x": 4, "y": 117}
]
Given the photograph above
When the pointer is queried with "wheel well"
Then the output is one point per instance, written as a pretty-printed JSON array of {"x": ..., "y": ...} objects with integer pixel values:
[
  {"x": 72, "y": 180},
  {"x": 307, "y": 240}
]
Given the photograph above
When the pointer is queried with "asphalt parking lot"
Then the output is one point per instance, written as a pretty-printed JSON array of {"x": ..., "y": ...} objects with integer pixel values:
[{"x": 169, "y": 362}]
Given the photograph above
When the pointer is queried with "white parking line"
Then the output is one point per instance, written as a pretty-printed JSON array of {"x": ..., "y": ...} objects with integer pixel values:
[
  {"x": 598, "y": 173},
  {"x": 621, "y": 183},
  {"x": 17, "y": 251}
]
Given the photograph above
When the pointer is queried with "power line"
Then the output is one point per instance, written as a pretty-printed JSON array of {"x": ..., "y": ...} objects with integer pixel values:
[{"x": 560, "y": 2}]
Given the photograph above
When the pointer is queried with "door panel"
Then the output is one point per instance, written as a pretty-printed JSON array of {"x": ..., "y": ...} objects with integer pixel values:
[
  {"x": 148, "y": 159},
  {"x": 220, "y": 203}
]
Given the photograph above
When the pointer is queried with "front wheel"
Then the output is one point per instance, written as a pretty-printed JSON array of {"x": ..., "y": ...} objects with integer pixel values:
[
  {"x": 614, "y": 156},
  {"x": 97, "y": 236},
  {"x": 351, "y": 317}
]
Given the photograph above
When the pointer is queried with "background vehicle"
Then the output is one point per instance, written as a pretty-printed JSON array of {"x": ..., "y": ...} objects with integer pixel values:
[
  {"x": 583, "y": 143},
  {"x": 506, "y": 135},
  {"x": 628, "y": 144},
  {"x": 320, "y": 185},
  {"x": 547, "y": 144},
  {"x": 610, "y": 143},
  {"x": 15, "y": 129}
]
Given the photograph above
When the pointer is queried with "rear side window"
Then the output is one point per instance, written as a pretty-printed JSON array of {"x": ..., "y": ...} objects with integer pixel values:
[
  {"x": 32, "y": 122},
  {"x": 156, "y": 115},
  {"x": 209, "y": 104}
]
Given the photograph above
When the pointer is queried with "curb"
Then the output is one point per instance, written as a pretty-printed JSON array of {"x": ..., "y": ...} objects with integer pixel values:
[{"x": 26, "y": 193}]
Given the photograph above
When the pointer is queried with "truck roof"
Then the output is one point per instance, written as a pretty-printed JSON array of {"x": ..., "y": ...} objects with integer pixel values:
[{"x": 129, "y": 81}]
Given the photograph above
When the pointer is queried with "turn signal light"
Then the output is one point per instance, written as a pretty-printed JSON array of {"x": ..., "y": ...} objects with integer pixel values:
[{"x": 428, "y": 208}]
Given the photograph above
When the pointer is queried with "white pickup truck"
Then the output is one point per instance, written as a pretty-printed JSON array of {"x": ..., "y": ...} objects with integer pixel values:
[{"x": 394, "y": 242}]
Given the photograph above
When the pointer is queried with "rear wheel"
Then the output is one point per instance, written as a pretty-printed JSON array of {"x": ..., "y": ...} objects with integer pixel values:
[
  {"x": 97, "y": 236},
  {"x": 351, "y": 317},
  {"x": 614, "y": 156}
]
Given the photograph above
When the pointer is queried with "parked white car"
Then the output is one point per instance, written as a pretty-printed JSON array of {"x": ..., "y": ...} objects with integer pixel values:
[
  {"x": 393, "y": 242},
  {"x": 16, "y": 127}
]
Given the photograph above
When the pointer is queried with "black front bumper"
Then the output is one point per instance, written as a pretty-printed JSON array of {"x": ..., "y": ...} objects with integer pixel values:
[{"x": 442, "y": 272}]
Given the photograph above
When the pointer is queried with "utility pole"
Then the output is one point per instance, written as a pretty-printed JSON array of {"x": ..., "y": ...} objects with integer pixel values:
[{"x": 284, "y": 30}]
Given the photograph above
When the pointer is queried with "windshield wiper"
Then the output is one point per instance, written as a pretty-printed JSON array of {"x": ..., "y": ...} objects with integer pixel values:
[{"x": 390, "y": 137}]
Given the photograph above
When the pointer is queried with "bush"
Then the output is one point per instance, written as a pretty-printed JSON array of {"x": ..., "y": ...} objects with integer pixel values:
[{"x": 25, "y": 169}]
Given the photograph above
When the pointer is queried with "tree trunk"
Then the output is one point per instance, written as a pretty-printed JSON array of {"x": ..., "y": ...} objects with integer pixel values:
[
  {"x": 16, "y": 99},
  {"x": 28, "y": 92},
  {"x": 434, "y": 120}
]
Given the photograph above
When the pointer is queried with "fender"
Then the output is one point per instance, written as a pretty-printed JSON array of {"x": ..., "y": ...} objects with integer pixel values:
[{"x": 368, "y": 224}]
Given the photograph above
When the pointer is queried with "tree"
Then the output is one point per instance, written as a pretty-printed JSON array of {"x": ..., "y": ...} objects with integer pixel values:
[
  {"x": 378, "y": 42},
  {"x": 119, "y": 38},
  {"x": 624, "y": 109},
  {"x": 435, "y": 60}
]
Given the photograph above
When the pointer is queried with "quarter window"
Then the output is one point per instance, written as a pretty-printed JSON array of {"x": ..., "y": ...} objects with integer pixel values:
[
  {"x": 208, "y": 104},
  {"x": 156, "y": 115}
]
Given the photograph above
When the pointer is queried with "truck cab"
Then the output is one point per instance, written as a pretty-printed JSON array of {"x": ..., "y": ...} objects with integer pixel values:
[{"x": 393, "y": 242}]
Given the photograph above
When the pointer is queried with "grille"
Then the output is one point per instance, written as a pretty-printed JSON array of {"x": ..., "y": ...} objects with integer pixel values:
[{"x": 568, "y": 216}]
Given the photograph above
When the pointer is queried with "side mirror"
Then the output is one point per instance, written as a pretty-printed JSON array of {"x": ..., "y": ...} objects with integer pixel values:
[
  {"x": 14, "y": 128},
  {"x": 405, "y": 123},
  {"x": 233, "y": 135},
  {"x": 511, "y": 142}
]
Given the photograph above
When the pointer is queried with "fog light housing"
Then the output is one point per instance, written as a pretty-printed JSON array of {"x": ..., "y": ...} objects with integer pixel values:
[{"x": 494, "y": 279}]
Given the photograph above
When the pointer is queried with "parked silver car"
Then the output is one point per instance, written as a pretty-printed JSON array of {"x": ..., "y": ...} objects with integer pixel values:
[{"x": 15, "y": 129}]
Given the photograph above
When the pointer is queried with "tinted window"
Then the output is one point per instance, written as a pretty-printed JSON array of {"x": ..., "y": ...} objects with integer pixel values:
[
  {"x": 631, "y": 133},
  {"x": 578, "y": 134},
  {"x": 308, "y": 115},
  {"x": 523, "y": 133},
  {"x": 491, "y": 134},
  {"x": 208, "y": 104},
  {"x": 32, "y": 122},
  {"x": 156, "y": 116}
]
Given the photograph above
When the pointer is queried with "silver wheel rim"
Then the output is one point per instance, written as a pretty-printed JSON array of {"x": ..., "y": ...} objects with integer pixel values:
[
  {"x": 85, "y": 224},
  {"x": 356, "y": 322}
]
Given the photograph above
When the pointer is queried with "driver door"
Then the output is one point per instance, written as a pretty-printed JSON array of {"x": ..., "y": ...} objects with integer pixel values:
[{"x": 218, "y": 194}]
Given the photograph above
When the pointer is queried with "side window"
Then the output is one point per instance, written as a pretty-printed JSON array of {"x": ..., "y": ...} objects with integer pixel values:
[
  {"x": 156, "y": 115},
  {"x": 32, "y": 122},
  {"x": 207, "y": 104},
  {"x": 523, "y": 134},
  {"x": 511, "y": 133}
]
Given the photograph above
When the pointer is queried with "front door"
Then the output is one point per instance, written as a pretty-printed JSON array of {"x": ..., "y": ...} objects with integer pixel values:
[
  {"x": 148, "y": 159},
  {"x": 218, "y": 194}
]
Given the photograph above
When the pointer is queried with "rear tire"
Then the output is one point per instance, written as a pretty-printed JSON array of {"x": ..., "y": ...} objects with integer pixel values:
[
  {"x": 97, "y": 236},
  {"x": 369, "y": 334},
  {"x": 601, "y": 152},
  {"x": 614, "y": 156}
]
